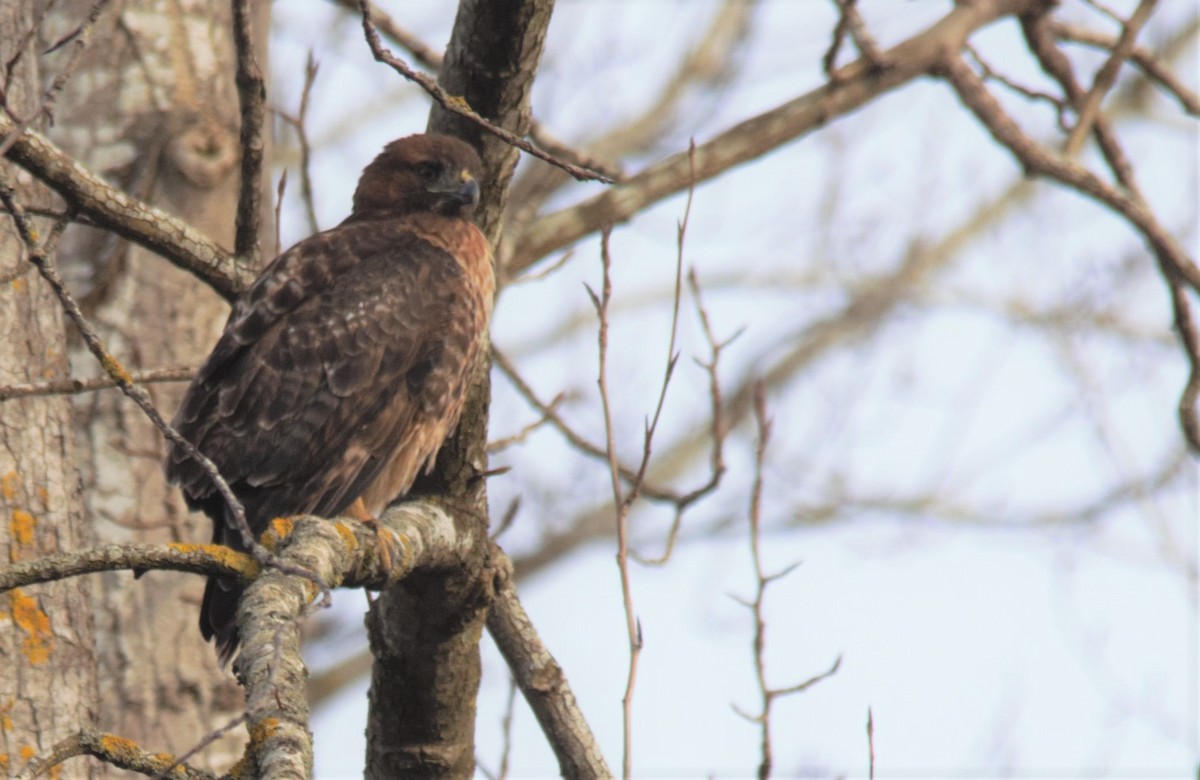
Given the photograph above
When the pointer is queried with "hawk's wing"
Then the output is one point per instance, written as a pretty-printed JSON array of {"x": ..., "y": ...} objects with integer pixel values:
[{"x": 342, "y": 349}]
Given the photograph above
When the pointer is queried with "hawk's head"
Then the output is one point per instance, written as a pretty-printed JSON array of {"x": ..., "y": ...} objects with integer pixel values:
[{"x": 420, "y": 173}]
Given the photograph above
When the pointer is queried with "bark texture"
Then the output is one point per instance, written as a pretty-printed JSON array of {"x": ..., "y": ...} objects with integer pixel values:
[
  {"x": 49, "y": 686},
  {"x": 153, "y": 108}
]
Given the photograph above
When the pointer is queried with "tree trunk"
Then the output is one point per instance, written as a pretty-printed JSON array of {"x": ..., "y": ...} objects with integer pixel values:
[
  {"x": 154, "y": 108},
  {"x": 45, "y": 633},
  {"x": 425, "y": 631}
]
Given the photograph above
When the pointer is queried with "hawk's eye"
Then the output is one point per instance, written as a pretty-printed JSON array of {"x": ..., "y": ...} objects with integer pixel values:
[{"x": 429, "y": 171}]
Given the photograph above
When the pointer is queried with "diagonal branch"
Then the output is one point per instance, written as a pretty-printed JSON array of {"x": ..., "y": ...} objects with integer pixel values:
[
  {"x": 851, "y": 87},
  {"x": 109, "y": 208}
]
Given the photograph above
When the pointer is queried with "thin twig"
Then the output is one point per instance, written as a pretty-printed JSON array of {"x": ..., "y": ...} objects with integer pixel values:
[
  {"x": 1143, "y": 58},
  {"x": 76, "y": 386},
  {"x": 299, "y": 124},
  {"x": 78, "y": 39},
  {"x": 767, "y": 694},
  {"x": 1089, "y": 108},
  {"x": 456, "y": 104},
  {"x": 252, "y": 96},
  {"x": 621, "y": 506},
  {"x": 870, "y": 745}
]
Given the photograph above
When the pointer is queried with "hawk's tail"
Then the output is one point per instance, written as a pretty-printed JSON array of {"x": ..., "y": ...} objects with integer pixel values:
[{"x": 218, "y": 616}]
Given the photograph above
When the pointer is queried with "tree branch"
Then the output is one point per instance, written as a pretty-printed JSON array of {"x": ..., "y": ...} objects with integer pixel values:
[
  {"x": 109, "y": 208},
  {"x": 74, "y": 386},
  {"x": 851, "y": 87},
  {"x": 542, "y": 681},
  {"x": 114, "y": 751},
  {"x": 252, "y": 94}
]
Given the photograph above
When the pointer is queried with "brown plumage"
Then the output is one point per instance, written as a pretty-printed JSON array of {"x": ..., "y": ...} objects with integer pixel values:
[{"x": 345, "y": 365}]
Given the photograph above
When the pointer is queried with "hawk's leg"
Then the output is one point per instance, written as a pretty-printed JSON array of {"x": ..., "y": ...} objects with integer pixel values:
[{"x": 358, "y": 511}]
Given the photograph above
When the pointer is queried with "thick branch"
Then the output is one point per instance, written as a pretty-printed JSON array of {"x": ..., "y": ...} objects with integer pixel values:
[
  {"x": 110, "y": 208},
  {"x": 543, "y": 683}
]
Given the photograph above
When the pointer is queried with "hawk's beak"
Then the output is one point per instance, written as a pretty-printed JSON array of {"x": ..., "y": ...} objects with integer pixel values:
[
  {"x": 468, "y": 192},
  {"x": 463, "y": 189}
]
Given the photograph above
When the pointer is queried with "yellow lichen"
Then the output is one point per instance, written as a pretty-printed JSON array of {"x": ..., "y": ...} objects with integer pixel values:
[
  {"x": 117, "y": 371},
  {"x": 8, "y": 485},
  {"x": 29, "y": 617},
  {"x": 20, "y": 526},
  {"x": 124, "y": 750},
  {"x": 347, "y": 534},
  {"x": 263, "y": 730},
  {"x": 240, "y": 562},
  {"x": 281, "y": 527},
  {"x": 18, "y": 285}
]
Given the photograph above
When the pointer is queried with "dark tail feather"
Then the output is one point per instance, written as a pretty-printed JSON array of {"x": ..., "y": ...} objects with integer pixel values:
[{"x": 218, "y": 616}]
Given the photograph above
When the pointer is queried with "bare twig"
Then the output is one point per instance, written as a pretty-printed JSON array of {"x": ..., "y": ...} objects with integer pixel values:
[
  {"x": 422, "y": 53},
  {"x": 851, "y": 21},
  {"x": 299, "y": 124},
  {"x": 78, "y": 39},
  {"x": 252, "y": 95},
  {"x": 76, "y": 386},
  {"x": 457, "y": 105},
  {"x": 870, "y": 745},
  {"x": 1089, "y": 107},
  {"x": 1143, "y": 58},
  {"x": 506, "y": 729},
  {"x": 767, "y": 694},
  {"x": 985, "y": 70},
  {"x": 502, "y": 444},
  {"x": 621, "y": 503},
  {"x": 280, "y": 189}
]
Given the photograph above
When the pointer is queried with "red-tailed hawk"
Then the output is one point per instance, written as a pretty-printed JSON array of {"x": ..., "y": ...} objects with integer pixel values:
[{"x": 345, "y": 365}]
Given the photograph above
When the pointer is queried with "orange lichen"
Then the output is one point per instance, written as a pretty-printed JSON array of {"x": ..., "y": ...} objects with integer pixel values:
[
  {"x": 8, "y": 485},
  {"x": 44, "y": 496},
  {"x": 347, "y": 534},
  {"x": 279, "y": 529},
  {"x": 26, "y": 752},
  {"x": 238, "y": 561},
  {"x": 18, "y": 285},
  {"x": 6, "y": 722},
  {"x": 4, "y": 763},
  {"x": 113, "y": 368},
  {"x": 119, "y": 747},
  {"x": 20, "y": 526},
  {"x": 263, "y": 730},
  {"x": 29, "y": 617}
]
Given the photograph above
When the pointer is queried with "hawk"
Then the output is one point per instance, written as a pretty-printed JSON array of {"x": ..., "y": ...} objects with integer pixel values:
[{"x": 344, "y": 366}]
